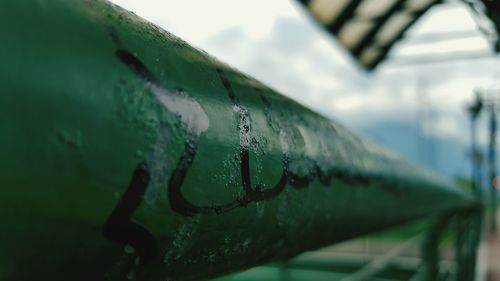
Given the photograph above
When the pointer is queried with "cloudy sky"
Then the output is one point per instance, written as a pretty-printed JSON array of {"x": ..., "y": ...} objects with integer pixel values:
[{"x": 280, "y": 45}]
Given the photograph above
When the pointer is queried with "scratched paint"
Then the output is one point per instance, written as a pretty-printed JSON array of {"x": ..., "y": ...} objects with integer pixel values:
[{"x": 127, "y": 154}]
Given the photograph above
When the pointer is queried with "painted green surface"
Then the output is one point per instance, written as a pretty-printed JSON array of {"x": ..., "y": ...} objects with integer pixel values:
[{"x": 89, "y": 93}]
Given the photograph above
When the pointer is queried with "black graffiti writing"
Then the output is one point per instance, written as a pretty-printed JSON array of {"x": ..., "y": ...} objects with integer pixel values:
[
  {"x": 256, "y": 193},
  {"x": 177, "y": 201},
  {"x": 119, "y": 226}
]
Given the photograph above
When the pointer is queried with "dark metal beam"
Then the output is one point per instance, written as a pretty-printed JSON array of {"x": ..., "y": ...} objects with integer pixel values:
[
  {"x": 345, "y": 15},
  {"x": 385, "y": 50},
  {"x": 379, "y": 22}
]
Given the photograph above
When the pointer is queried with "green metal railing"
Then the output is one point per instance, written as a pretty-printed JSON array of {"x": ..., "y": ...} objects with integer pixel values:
[
  {"x": 128, "y": 154},
  {"x": 441, "y": 248}
]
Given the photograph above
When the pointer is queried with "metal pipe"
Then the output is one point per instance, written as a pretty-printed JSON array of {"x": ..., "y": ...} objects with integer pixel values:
[{"x": 126, "y": 153}]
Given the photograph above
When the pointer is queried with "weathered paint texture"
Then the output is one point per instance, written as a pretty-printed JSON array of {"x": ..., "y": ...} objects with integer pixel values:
[{"x": 127, "y": 154}]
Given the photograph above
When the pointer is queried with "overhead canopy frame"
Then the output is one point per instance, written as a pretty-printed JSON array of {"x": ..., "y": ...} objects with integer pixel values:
[{"x": 368, "y": 28}]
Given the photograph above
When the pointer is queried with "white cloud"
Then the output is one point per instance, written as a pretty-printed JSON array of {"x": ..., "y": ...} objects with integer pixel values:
[{"x": 196, "y": 20}]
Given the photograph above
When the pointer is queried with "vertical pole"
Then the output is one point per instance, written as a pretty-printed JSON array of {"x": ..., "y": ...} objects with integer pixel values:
[
  {"x": 469, "y": 224},
  {"x": 474, "y": 109},
  {"x": 492, "y": 164},
  {"x": 473, "y": 150}
]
